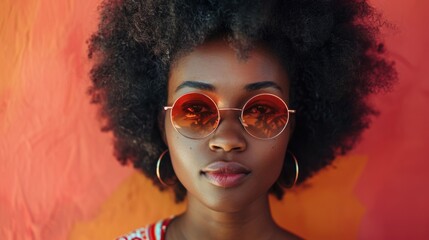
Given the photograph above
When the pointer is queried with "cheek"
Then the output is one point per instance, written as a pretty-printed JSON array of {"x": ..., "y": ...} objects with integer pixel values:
[
  {"x": 273, "y": 157},
  {"x": 183, "y": 155},
  {"x": 271, "y": 168}
]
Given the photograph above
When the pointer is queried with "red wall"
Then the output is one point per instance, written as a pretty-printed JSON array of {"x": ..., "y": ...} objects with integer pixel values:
[{"x": 58, "y": 179}]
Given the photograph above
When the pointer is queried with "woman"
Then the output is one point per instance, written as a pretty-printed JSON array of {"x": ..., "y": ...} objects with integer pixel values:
[{"x": 226, "y": 102}]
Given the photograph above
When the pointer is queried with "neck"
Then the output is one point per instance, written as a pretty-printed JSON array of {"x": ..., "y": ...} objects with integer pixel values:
[{"x": 253, "y": 221}]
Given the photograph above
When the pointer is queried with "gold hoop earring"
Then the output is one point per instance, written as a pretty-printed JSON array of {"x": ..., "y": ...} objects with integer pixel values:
[
  {"x": 296, "y": 168},
  {"x": 296, "y": 172},
  {"x": 158, "y": 171}
]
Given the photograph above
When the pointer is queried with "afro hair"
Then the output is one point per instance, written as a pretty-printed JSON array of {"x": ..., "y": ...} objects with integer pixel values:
[{"x": 330, "y": 49}]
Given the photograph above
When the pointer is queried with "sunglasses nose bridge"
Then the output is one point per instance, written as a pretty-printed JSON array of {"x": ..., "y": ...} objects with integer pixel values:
[
  {"x": 230, "y": 109},
  {"x": 238, "y": 110},
  {"x": 239, "y": 118}
]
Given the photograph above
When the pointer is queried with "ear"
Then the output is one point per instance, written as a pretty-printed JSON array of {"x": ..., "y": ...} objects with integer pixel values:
[{"x": 161, "y": 125}]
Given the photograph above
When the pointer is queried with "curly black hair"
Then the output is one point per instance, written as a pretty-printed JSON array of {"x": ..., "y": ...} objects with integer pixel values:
[{"x": 330, "y": 49}]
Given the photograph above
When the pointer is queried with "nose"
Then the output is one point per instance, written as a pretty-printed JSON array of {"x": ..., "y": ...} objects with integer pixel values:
[{"x": 228, "y": 136}]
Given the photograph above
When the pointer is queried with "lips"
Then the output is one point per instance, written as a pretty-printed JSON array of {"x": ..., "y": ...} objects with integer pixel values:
[{"x": 225, "y": 174}]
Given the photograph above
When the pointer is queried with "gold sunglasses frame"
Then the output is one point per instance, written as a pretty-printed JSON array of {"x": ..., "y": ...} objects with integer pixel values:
[{"x": 289, "y": 111}]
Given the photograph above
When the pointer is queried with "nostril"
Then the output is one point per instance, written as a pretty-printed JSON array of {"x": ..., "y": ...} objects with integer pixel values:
[
  {"x": 236, "y": 149},
  {"x": 214, "y": 147}
]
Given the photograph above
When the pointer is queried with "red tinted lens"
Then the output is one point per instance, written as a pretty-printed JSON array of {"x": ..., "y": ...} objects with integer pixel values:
[
  {"x": 195, "y": 115},
  {"x": 265, "y": 116}
]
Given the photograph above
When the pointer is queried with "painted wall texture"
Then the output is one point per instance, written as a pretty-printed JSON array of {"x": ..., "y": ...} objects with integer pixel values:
[{"x": 59, "y": 180}]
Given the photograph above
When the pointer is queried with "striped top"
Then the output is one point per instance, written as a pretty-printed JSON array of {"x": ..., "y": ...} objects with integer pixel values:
[{"x": 155, "y": 231}]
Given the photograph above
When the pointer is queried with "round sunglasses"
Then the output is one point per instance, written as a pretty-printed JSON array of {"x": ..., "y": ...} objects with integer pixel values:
[{"x": 196, "y": 115}]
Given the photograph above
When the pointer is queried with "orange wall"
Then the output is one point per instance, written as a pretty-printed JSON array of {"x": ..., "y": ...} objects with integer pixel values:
[{"x": 58, "y": 179}]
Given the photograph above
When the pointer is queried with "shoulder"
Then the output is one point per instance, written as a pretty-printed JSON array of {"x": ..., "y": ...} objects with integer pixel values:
[{"x": 154, "y": 231}]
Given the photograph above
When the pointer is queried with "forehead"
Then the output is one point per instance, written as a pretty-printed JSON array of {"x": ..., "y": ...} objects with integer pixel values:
[{"x": 216, "y": 64}]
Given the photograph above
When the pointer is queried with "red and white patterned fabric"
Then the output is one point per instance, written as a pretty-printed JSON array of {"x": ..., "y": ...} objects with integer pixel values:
[{"x": 155, "y": 231}]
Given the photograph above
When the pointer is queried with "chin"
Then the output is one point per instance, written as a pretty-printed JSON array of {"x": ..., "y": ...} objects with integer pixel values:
[
  {"x": 227, "y": 200},
  {"x": 226, "y": 206}
]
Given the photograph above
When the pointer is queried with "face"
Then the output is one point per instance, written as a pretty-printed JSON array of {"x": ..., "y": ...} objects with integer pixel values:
[{"x": 229, "y": 168}]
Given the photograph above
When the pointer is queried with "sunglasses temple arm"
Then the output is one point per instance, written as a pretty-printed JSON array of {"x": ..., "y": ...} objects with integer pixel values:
[{"x": 291, "y": 111}]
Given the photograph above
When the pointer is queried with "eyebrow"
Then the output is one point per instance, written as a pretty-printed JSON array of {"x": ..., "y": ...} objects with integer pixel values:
[
  {"x": 261, "y": 85},
  {"x": 209, "y": 87},
  {"x": 198, "y": 85}
]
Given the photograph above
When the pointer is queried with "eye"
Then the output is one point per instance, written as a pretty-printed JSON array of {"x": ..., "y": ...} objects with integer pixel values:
[
  {"x": 196, "y": 109},
  {"x": 260, "y": 109}
]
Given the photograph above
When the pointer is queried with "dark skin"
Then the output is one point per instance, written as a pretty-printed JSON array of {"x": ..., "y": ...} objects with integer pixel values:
[{"x": 241, "y": 211}]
